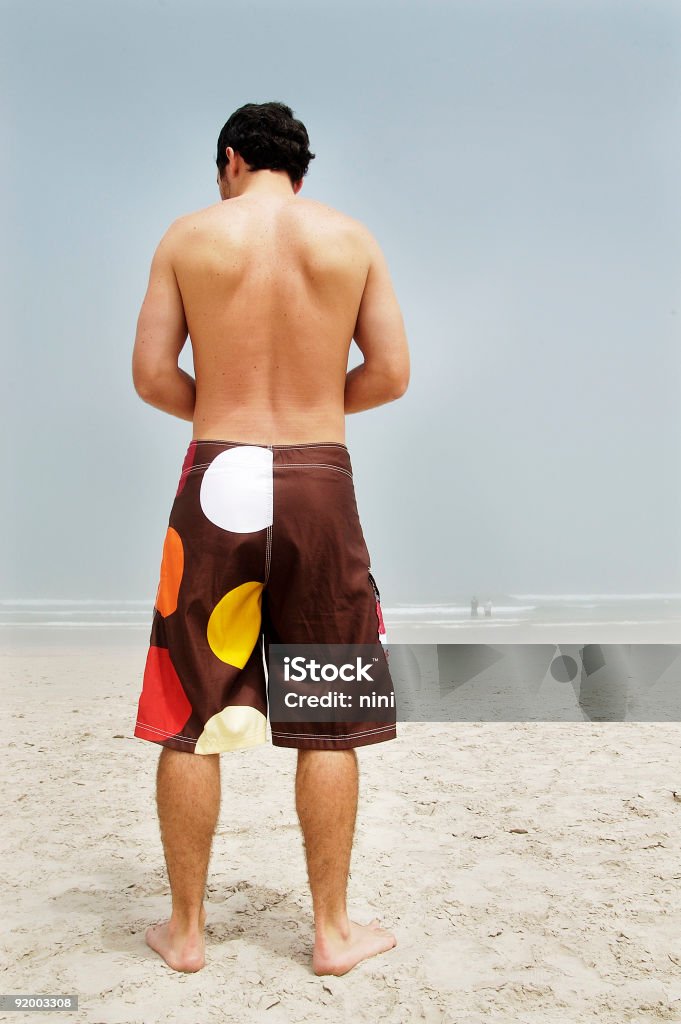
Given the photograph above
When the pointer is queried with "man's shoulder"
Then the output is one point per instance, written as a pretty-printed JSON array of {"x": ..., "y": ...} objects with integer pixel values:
[
  {"x": 194, "y": 218},
  {"x": 352, "y": 230},
  {"x": 189, "y": 224},
  {"x": 336, "y": 215}
]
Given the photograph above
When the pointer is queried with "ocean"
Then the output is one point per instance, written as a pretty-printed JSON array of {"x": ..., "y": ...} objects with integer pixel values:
[{"x": 510, "y": 618}]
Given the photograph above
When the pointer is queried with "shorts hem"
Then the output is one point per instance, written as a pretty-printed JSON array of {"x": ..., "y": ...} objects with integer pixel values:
[
  {"x": 348, "y": 742},
  {"x": 180, "y": 743}
]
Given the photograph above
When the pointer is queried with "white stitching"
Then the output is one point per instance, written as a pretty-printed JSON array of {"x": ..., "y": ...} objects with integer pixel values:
[
  {"x": 307, "y": 444},
  {"x": 290, "y": 465},
  {"x": 326, "y": 736},
  {"x": 290, "y": 735},
  {"x": 316, "y": 465},
  {"x": 268, "y": 554},
  {"x": 164, "y": 732},
  {"x": 202, "y": 465}
]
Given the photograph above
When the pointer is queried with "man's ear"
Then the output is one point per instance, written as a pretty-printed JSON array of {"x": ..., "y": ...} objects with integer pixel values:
[{"x": 297, "y": 186}]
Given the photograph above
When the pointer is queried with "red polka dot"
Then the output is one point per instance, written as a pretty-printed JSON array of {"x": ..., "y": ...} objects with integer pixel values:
[
  {"x": 186, "y": 466},
  {"x": 163, "y": 705}
]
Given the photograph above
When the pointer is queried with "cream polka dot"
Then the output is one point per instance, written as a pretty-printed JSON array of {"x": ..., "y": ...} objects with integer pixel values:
[{"x": 232, "y": 729}]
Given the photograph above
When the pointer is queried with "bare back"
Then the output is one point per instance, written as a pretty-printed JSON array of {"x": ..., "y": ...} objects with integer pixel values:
[{"x": 271, "y": 290}]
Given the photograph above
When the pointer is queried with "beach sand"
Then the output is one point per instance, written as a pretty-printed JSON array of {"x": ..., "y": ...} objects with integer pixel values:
[{"x": 531, "y": 871}]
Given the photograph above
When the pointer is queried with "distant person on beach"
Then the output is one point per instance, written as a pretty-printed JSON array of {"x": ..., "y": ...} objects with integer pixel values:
[
  {"x": 488, "y": 609},
  {"x": 264, "y": 542},
  {"x": 474, "y": 607}
]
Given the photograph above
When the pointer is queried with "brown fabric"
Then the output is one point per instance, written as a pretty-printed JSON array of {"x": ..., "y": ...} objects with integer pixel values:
[{"x": 264, "y": 545}]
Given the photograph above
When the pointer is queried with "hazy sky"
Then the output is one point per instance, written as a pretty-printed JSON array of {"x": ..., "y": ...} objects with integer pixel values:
[{"x": 520, "y": 165}]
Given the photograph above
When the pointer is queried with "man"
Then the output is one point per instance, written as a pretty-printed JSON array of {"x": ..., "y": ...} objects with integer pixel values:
[{"x": 264, "y": 541}]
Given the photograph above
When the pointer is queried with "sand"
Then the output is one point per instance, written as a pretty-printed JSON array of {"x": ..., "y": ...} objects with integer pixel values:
[{"x": 531, "y": 871}]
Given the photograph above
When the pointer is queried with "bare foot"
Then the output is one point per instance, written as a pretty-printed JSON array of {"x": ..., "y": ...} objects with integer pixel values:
[
  {"x": 183, "y": 951},
  {"x": 335, "y": 954}
]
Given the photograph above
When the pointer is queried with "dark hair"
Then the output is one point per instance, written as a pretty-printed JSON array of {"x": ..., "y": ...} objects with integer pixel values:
[{"x": 268, "y": 137}]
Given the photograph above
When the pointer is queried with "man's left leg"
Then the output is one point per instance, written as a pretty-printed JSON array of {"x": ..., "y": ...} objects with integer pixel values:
[
  {"x": 188, "y": 802},
  {"x": 326, "y": 801}
]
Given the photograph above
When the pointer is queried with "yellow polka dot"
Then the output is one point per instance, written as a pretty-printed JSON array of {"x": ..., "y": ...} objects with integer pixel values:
[
  {"x": 231, "y": 729},
  {"x": 234, "y": 624}
]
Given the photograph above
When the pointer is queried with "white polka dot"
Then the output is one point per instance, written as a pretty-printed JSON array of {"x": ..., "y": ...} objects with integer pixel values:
[{"x": 236, "y": 489}]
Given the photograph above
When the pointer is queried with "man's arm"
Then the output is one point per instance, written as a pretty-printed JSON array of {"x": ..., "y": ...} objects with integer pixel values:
[
  {"x": 380, "y": 337},
  {"x": 161, "y": 334}
]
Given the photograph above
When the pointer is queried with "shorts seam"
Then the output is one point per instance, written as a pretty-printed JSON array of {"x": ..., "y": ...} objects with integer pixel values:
[
  {"x": 164, "y": 732},
  {"x": 314, "y": 465},
  {"x": 308, "y": 444},
  {"x": 268, "y": 554},
  {"x": 290, "y": 465},
  {"x": 190, "y": 469},
  {"x": 327, "y": 736}
]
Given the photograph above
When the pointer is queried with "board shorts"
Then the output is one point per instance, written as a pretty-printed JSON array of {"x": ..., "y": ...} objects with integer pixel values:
[{"x": 264, "y": 545}]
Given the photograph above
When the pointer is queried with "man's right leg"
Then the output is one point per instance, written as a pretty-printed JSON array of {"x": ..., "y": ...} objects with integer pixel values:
[
  {"x": 326, "y": 802},
  {"x": 188, "y": 803}
]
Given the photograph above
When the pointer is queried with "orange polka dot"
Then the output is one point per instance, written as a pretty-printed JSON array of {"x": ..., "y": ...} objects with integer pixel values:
[{"x": 172, "y": 567}]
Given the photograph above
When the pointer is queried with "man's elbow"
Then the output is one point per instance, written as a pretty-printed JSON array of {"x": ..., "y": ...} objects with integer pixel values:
[
  {"x": 141, "y": 387},
  {"x": 401, "y": 385},
  {"x": 149, "y": 377},
  {"x": 144, "y": 384},
  {"x": 399, "y": 382}
]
